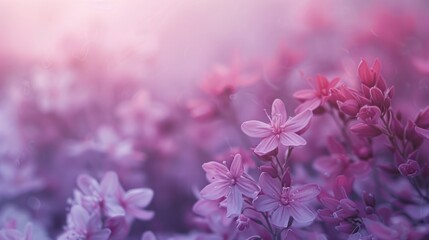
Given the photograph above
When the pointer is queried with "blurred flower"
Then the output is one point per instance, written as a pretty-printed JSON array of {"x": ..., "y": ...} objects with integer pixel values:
[
  {"x": 409, "y": 169},
  {"x": 314, "y": 98},
  {"x": 82, "y": 225},
  {"x": 280, "y": 130},
  {"x": 13, "y": 234}
]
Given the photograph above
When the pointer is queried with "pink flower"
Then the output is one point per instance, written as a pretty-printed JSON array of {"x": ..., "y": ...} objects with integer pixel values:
[
  {"x": 231, "y": 183},
  {"x": 82, "y": 225},
  {"x": 283, "y": 202},
  {"x": 13, "y": 234},
  {"x": 114, "y": 201},
  {"x": 224, "y": 80},
  {"x": 314, "y": 98},
  {"x": 280, "y": 130}
]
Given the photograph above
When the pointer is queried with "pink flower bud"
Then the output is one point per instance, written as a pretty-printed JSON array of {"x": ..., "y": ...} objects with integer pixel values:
[
  {"x": 365, "y": 130},
  {"x": 409, "y": 169},
  {"x": 286, "y": 179},
  {"x": 397, "y": 127},
  {"x": 349, "y": 107},
  {"x": 423, "y": 118},
  {"x": 377, "y": 97},
  {"x": 268, "y": 169},
  {"x": 365, "y": 74},
  {"x": 369, "y": 114}
]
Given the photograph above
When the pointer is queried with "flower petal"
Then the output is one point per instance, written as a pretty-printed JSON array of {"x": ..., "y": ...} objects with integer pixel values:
[
  {"x": 215, "y": 190},
  {"x": 267, "y": 145},
  {"x": 215, "y": 171},
  {"x": 110, "y": 183},
  {"x": 254, "y": 128},
  {"x": 292, "y": 139},
  {"x": 310, "y": 104},
  {"x": 140, "y": 197},
  {"x": 237, "y": 168},
  {"x": 148, "y": 235},
  {"x": 79, "y": 218},
  {"x": 301, "y": 213},
  {"x": 278, "y": 109},
  {"x": 304, "y": 94},
  {"x": 423, "y": 132},
  {"x": 248, "y": 186},
  {"x": 299, "y": 122},
  {"x": 280, "y": 217},
  {"x": 265, "y": 203},
  {"x": 234, "y": 202},
  {"x": 306, "y": 192},
  {"x": 87, "y": 184},
  {"x": 140, "y": 213},
  {"x": 103, "y": 234},
  {"x": 270, "y": 186},
  {"x": 112, "y": 207}
]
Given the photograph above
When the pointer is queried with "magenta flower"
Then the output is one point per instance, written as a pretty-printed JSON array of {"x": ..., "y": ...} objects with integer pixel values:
[
  {"x": 230, "y": 183},
  {"x": 280, "y": 130},
  {"x": 82, "y": 225},
  {"x": 314, "y": 98},
  {"x": 283, "y": 202}
]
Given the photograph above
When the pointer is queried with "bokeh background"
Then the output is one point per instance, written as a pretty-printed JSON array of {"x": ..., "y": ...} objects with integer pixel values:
[{"x": 153, "y": 89}]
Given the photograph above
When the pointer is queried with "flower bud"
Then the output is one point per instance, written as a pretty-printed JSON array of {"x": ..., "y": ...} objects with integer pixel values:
[
  {"x": 242, "y": 222},
  {"x": 377, "y": 97},
  {"x": 346, "y": 227},
  {"x": 349, "y": 107},
  {"x": 423, "y": 118},
  {"x": 269, "y": 169},
  {"x": 365, "y": 130},
  {"x": 365, "y": 74},
  {"x": 369, "y": 114},
  {"x": 286, "y": 181},
  {"x": 409, "y": 169}
]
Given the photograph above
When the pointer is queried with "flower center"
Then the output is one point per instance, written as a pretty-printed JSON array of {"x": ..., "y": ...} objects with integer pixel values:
[
  {"x": 285, "y": 196},
  {"x": 276, "y": 123},
  {"x": 233, "y": 181}
]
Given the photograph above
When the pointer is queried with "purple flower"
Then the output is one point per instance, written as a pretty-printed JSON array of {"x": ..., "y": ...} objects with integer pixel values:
[
  {"x": 112, "y": 198},
  {"x": 13, "y": 234},
  {"x": 231, "y": 183},
  {"x": 280, "y": 130},
  {"x": 283, "y": 202},
  {"x": 409, "y": 169},
  {"x": 82, "y": 225},
  {"x": 369, "y": 114}
]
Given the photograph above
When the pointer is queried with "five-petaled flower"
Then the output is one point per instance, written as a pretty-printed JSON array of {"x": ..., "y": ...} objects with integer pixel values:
[
  {"x": 314, "y": 98},
  {"x": 283, "y": 202},
  {"x": 281, "y": 129},
  {"x": 230, "y": 183}
]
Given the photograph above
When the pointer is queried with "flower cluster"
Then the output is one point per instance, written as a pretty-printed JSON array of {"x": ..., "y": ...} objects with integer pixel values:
[
  {"x": 219, "y": 120},
  {"x": 107, "y": 200}
]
